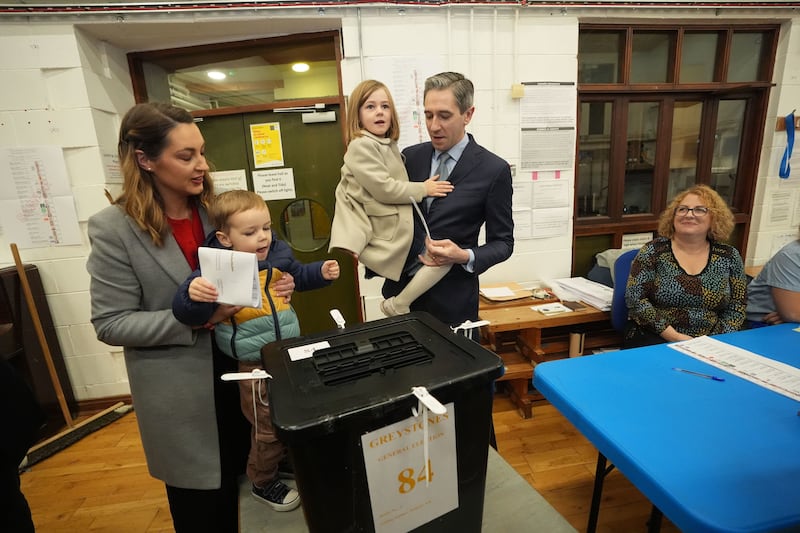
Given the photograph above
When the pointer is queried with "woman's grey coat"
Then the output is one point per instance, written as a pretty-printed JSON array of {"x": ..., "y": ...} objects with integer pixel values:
[{"x": 170, "y": 367}]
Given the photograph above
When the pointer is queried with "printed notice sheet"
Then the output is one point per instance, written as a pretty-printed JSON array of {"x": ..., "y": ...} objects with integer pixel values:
[
  {"x": 773, "y": 375},
  {"x": 36, "y": 204},
  {"x": 235, "y": 274},
  {"x": 407, "y": 491}
]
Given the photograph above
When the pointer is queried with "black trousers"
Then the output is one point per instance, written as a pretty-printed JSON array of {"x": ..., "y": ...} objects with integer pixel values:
[
  {"x": 21, "y": 418},
  {"x": 217, "y": 511},
  {"x": 15, "y": 515}
]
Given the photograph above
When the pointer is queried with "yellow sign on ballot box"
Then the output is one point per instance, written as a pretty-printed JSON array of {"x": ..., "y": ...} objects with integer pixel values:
[{"x": 408, "y": 485}]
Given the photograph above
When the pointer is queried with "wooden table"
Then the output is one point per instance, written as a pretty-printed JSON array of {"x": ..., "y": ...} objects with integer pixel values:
[{"x": 523, "y": 337}]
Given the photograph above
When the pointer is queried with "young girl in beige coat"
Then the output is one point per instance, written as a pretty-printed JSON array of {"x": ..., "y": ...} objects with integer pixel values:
[{"x": 373, "y": 219}]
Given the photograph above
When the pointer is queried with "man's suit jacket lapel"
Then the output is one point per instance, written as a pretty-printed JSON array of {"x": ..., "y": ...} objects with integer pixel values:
[
  {"x": 466, "y": 163},
  {"x": 419, "y": 167}
]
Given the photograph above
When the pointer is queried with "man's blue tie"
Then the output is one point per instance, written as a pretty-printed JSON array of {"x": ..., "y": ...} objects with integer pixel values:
[{"x": 443, "y": 173}]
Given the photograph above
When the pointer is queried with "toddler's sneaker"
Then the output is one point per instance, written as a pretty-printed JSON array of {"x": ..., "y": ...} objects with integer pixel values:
[{"x": 277, "y": 495}]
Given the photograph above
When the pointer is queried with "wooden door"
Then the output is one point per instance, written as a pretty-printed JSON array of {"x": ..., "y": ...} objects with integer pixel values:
[{"x": 314, "y": 152}]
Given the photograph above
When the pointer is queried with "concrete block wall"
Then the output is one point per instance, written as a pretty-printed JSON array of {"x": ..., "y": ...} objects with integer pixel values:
[{"x": 63, "y": 87}]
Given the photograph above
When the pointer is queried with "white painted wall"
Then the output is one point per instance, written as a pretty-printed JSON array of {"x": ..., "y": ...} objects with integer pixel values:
[{"x": 64, "y": 88}]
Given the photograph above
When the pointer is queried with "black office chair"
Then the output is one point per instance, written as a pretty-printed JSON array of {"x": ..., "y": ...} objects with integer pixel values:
[{"x": 619, "y": 309}]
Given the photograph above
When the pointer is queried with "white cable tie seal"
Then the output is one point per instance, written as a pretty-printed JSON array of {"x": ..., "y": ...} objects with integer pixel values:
[
  {"x": 469, "y": 324},
  {"x": 430, "y": 402},
  {"x": 257, "y": 373},
  {"x": 426, "y": 401},
  {"x": 338, "y": 318}
]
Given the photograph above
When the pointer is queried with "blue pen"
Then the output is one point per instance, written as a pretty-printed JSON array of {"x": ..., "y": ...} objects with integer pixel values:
[{"x": 707, "y": 376}]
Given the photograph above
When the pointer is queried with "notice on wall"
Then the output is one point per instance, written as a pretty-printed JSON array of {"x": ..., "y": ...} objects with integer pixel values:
[
  {"x": 229, "y": 180},
  {"x": 551, "y": 222},
  {"x": 548, "y": 105},
  {"x": 523, "y": 219},
  {"x": 551, "y": 193},
  {"x": 547, "y": 148},
  {"x": 276, "y": 184},
  {"x": 36, "y": 205},
  {"x": 267, "y": 144},
  {"x": 636, "y": 240},
  {"x": 405, "y": 78},
  {"x": 111, "y": 167},
  {"x": 781, "y": 208},
  {"x": 405, "y": 491}
]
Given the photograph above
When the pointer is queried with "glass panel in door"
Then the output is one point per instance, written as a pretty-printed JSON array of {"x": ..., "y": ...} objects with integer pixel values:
[
  {"x": 640, "y": 159},
  {"x": 594, "y": 147},
  {"x": 727, "y": 144},
  {"x": 683, "y": 151}
]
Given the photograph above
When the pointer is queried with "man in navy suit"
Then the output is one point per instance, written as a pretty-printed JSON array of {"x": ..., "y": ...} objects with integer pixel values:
[{"x": 481, "y": 194}]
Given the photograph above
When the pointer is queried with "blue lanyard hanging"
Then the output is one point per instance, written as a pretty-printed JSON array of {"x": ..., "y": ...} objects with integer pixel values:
[{"x": 787, "y": 154}]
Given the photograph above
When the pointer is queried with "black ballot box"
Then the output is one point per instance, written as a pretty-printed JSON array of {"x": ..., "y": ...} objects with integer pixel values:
[{"x": 343, "y": 403}]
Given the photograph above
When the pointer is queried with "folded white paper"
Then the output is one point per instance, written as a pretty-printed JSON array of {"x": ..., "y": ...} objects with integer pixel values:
[{"x": 234, "y": 274}]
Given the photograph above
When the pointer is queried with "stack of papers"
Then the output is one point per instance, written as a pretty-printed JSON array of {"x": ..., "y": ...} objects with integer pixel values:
[{"x": 582, "y": 289}]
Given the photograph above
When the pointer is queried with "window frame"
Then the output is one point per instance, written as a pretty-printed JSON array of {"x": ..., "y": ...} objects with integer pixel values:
[{"x": 756, "y": 93}]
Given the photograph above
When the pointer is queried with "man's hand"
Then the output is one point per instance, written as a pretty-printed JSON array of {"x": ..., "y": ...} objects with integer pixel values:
[
  {"x": 202, "y": 290},
  {"x": 443, "y": 252},
  {"x": 772, "y": 318},
  {"x": 330, "y": 269},
  {"x": 284, "y": 287}
]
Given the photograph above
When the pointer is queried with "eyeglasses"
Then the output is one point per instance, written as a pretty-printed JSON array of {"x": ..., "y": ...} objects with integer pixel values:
[{"x": 698, "y": 211}]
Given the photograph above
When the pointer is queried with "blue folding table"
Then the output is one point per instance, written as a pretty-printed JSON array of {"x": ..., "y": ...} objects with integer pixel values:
[{"x": 713, "y": 456}]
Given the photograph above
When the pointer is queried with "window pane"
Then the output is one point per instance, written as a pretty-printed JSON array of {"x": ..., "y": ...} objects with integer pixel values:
[
  {"x": 640, "y": 163},
  {"x": 727, "y": 143},
  {"x": 683, "y": 151},
  {"x": 600, "y": 56},
  {"x": 698, "y": 57},
  {"x": 746, "y": 52},
  {"x": 258, "y": 73},
  {"x": 593, "y": 158},
  {"x": 650, "y": 60}
]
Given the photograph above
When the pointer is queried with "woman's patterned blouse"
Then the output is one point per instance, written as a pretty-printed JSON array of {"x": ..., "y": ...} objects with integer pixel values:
[{"x": 660, "y": 294}]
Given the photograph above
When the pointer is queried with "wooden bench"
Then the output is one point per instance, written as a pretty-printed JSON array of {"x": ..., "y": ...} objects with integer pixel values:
[{"x": 518, "y": 378}]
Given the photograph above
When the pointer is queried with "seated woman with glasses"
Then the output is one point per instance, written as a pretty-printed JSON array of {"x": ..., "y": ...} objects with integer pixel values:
[
  {"x": 773, "y": 297},
  {"x": 687, "y": 282}
]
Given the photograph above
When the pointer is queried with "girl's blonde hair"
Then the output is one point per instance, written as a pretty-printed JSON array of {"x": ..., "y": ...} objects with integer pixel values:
[
  {"x": 722, "y": 222},
  {"x": 146, "y": 127},
  {"x": 357, "y": 98}
]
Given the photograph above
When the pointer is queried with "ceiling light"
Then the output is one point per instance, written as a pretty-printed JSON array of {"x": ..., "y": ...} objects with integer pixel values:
[
  {"x": 216, "y": 75},
  {"x": 300, "y": 67}
]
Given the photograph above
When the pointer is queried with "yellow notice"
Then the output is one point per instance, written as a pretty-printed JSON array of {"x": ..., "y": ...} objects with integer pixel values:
[
  {"x": 404, "y": 491},
  {"x": 267, "y": 145}
]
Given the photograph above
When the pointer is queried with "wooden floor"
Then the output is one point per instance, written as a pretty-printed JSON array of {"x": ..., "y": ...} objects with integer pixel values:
[{"x": 101, "y": 484}]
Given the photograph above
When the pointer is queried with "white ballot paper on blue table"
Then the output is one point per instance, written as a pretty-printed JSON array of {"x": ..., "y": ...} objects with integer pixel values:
[{"x": 235, "y": 274}]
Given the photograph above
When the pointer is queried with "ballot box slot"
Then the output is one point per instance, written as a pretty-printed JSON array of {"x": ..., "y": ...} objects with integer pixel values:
[{"x": 361, "y": 358}]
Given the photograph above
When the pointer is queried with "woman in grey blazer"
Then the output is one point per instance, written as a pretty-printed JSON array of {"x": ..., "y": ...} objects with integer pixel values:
[{"x": 143, "y": 247}]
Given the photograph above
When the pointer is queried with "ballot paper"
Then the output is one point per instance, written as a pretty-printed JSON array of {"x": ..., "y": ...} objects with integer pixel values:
[
  {"x": 235, "y": 274},
  {"x": 768, "y": 373}
]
